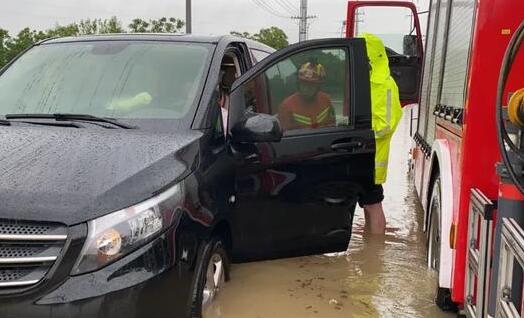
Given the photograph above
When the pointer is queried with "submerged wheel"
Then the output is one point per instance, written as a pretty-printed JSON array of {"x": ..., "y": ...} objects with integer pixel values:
[
  {"x": 442, "y": 295},
  {"x": 213, "y": 272}
]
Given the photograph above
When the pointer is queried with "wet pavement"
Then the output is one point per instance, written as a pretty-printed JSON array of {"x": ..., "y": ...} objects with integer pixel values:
[{"x": 377, "y": 277}]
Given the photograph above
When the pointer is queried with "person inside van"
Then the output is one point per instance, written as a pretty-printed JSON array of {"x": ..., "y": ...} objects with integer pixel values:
[
  {"x": 228, "y": 74},
  {"x": 309, "y": 107}
]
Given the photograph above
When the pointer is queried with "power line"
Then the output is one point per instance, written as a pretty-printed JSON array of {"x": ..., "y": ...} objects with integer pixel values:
[
  {"x": 268, "y": 8},
  {"x": 286, "y": 6},
  {"x": 292, "y": 5}
]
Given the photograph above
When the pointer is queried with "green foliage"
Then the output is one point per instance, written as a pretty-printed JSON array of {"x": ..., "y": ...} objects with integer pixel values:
[
  {"x": 4, "y": 36},
  {"x": 272, "y": 36},
  {"x": 163, "y": 25},
  {"x": 10, "y": 46}
]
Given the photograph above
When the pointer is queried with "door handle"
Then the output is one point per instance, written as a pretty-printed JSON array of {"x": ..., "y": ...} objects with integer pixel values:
[{"x": 346, "y": 146}]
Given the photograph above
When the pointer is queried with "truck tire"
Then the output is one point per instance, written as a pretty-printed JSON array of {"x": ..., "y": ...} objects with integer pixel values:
[
  {"x": 212, "y": 272},
  {"x": 442, "y": 295}
]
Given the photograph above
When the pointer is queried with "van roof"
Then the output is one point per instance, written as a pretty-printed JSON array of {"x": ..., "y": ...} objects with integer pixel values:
[{"x": 170, "y": 37}]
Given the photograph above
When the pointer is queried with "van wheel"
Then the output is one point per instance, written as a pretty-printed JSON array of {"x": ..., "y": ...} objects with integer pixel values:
[
  {"x": 212, "y": 273},
  {"x": 442, "y": 295}
]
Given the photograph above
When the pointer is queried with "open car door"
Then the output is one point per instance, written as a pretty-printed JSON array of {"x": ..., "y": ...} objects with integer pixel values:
[
  {"x": 402, "y": 37},
  {"x": 296, "y": 193}
]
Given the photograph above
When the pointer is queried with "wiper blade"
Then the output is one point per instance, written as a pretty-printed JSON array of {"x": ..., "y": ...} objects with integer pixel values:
[
  {"x": 5, "y": 122},
  {"x": 92, "y": 118},
  {"x": 65, "y": 117}
]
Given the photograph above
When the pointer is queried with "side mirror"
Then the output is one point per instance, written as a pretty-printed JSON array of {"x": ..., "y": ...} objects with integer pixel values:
[
  {"x": 410, "y": 45},
  {"x": 256, "y": 127}
]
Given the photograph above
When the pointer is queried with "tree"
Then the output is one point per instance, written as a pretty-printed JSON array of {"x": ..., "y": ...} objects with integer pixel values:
[
  {"x": 245, "y": 35},
  {"x": 162, "y": 25},
  {"x": 273, "y": 36},
  {"x": 99, "y": 26},
  {"x": 4, "y": 37},
  {"x": 10, "y": 47}
]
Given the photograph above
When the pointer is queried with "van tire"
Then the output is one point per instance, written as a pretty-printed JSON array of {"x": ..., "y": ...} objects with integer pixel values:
[{"x": 214, "y": 259}]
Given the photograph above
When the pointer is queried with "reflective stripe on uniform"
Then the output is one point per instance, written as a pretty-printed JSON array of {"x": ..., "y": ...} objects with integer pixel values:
[
  {"x": 304, "y": 120},
  {"x": 382, "y": 132},
  {"x": 382, "y": 164},
  {"x": 323, "y": 115},
  {"x": 388, "y": 107}
]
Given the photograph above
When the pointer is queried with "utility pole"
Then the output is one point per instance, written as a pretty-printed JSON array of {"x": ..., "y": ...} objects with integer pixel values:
[
  {"x": 303, "y": 21},
  {"x": 188, "y": 17},
  {"x": 359, "y": 20},
  {"x": 302, "y": 29}
]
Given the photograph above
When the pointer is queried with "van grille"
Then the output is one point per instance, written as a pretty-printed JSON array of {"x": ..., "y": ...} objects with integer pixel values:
[{"x": 28, "y": 250}]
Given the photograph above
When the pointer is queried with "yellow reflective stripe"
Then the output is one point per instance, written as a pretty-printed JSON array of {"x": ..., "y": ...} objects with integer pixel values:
[
  {"x": 302, "y": 119},
  {"x": 323, "y": 115},
  {"x": 382, "y": 132},
  {"x": 381, "y": 164},
  {"x": 388, "y": 107}
]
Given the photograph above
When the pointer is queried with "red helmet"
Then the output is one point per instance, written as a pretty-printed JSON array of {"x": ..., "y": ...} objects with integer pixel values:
[{"x": 312, "y": 73}]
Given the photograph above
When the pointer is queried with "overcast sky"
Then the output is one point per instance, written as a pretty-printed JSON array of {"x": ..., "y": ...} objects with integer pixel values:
[{"x": 209, "y": 17}]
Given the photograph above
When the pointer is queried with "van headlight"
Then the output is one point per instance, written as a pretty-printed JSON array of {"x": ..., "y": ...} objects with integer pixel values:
[{"x": 114, "y": 235}]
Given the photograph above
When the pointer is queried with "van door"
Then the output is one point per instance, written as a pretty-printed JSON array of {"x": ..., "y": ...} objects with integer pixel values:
[
  {"x": 402, "y": 38},
  {"x": 297, "y": 196}
]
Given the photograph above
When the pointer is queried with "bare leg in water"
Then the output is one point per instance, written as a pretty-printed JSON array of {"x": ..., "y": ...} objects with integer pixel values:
[{"x": 375, "y": 219}]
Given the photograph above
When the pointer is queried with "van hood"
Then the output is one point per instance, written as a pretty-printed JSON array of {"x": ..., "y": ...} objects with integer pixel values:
[{"x": 73, "y": 175}]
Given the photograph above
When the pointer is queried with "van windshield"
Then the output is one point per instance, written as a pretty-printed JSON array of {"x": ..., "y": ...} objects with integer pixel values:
[{"x": 119, "y": 79}]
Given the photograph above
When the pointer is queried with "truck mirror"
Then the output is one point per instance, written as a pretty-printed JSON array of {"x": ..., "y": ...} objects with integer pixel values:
[{"x": 410, "y": 45}]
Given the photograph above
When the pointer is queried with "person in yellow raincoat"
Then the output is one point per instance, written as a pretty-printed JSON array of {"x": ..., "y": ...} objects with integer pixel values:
[{"x": 386, "y": 112}]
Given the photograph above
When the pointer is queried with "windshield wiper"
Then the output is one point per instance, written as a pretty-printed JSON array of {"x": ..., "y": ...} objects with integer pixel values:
[
  {"x": 4, "y": 122},
  {"x": 66, "y": 117}
]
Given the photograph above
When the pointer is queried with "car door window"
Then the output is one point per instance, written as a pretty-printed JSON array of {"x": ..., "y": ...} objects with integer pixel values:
[{"x": 307, "y": 91}]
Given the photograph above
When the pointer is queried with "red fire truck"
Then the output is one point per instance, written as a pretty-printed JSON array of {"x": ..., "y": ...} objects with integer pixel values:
[{"x": 455, "y": 148}]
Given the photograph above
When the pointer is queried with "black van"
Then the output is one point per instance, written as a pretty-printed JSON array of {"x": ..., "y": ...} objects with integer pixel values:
[{"x": 135, "y": 168}]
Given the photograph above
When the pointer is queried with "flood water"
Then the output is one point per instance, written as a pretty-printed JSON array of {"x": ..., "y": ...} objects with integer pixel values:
[{"x": 377, "y": 277}]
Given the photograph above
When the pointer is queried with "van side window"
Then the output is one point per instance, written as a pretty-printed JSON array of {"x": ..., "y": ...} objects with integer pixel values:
[{"x": 307, "y": 91}]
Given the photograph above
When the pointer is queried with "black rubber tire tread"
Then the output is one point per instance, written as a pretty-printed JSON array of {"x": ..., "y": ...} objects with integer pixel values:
[
  {"x": 443, "y": 300},
  {"x": 214, "y": 245},
  {"x": 442, "y": 295}
]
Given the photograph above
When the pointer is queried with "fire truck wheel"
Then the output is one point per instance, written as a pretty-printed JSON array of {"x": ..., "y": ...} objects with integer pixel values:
[
  {"x": 442, "y": 295},
  {"x": 212, "y": 272}
]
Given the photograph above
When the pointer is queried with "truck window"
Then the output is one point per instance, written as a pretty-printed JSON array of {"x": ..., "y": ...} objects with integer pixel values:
[{"x": 394, "y": 35}]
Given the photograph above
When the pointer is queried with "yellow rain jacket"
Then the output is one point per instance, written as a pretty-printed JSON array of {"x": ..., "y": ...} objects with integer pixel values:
[{"x": 386, "y": 110}]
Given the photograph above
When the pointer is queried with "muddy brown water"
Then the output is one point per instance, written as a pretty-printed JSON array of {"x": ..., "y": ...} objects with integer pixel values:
[{"x": 376, "y": 277}]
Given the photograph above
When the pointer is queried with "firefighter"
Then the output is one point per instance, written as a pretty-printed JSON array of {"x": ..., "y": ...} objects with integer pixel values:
[
  {"x": 309, "y": 107},
  {"x": 386, "y": 112}
]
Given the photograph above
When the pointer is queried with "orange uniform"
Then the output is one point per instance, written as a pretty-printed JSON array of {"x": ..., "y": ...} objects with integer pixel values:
[{"x": 295, "y": 113}]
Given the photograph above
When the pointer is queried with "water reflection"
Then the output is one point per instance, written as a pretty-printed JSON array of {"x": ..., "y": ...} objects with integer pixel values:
[{"x": 379, "y": 276}]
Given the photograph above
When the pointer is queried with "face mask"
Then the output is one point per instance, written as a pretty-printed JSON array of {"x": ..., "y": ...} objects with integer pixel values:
[{"x": 308, "y": 91}]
